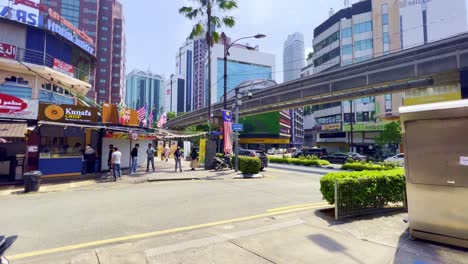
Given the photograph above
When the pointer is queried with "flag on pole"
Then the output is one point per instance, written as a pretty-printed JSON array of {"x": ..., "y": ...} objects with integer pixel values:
[
  {"x": 162, "y": 120},
  {"x": 227, "y": 133},
  {"x": 141, "y": 113},
  {"x": 150, "y": 119}
]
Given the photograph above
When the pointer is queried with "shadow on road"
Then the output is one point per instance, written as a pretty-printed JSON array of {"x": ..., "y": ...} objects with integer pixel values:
[{"x": 331, "y": 245}]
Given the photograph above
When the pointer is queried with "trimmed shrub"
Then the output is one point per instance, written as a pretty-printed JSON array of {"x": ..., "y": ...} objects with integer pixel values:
[
  {"x": 360, "y": 166},
  {"x": 249, "y": 165},
  {"x": 277, "y": 160},
  {"x": 375, "y": 188}
]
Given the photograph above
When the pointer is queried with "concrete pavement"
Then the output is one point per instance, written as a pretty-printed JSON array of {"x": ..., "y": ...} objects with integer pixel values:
[{"x": 300, "y": 237}]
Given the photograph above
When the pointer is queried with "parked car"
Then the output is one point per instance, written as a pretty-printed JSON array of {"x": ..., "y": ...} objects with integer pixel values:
[
  {"x": 357, "y": 156},
  {"x": 319, "y": 152},
  {"x": 272, "y": 151},
  {"x": 399, "y": 158},
  {"x": 338, "y": 157},
  {"x": 256, "y": 153}
]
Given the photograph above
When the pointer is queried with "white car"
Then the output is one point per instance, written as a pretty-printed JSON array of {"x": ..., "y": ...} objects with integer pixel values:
[{"x": 399, "y": 158}]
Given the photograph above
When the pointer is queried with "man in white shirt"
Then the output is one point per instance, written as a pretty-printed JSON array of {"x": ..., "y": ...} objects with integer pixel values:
[{"x": 116, "y": 158}]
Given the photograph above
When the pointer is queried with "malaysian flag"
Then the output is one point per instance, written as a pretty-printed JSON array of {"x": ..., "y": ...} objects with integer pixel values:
[
  {"x": 150, "y": 119},
  {"x": 141, "y": 113},
  {"x": 227, "y": 133},
  {"x": 162, "y": 120}
]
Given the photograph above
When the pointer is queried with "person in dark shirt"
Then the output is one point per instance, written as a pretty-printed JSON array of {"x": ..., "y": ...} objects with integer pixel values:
[
  {"x": 109, "y": 159},
  {"x": 134, "y": 155},
  {"x": 178, "y": 159}
]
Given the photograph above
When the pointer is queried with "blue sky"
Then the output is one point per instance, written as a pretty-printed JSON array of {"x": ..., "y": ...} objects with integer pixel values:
[{"x": 155, "y": 30}]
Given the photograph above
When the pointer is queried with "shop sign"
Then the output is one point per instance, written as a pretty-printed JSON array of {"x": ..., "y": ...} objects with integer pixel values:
[
  {"x": 63, "y": 67},
  {"x": 331, "y": 127},
  {"x": 69, "y": 35},
  {"x": 126, "y": 116},
  {"x": 24, "y": 14},
  {"x": 365, "y": 127},
  {"x": 432, "y": 99},
  {"x": 7, "y": 51},
  {"x": 14, "y": 107},
  {"x": 67, "y": 113}
]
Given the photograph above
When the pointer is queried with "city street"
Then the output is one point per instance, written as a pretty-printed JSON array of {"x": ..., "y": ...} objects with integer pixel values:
[{"x": 59, "y": 219}]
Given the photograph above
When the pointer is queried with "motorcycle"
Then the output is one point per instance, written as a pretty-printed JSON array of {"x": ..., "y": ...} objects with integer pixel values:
[
  {"x": 5, "y": 243},
  {"x": 220, "y": 164}
]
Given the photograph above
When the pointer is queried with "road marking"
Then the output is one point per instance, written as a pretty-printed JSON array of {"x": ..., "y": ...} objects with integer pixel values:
[
  {"x": 296, "y": 206},
  {"x": 152, "y": 234}
]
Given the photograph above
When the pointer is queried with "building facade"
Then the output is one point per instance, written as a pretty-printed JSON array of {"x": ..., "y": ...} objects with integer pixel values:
[
  {"x": 104, "y": 23},
  {"x": 370, "y": 29},
  {"x": 145, "y": 88}
]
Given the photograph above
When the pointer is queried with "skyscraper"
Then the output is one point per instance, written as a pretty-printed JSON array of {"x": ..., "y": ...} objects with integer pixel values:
[
  {"x": 145, "y": 88},
  {"x": 293, "y": 62},
  {"x": 293, "y": 57},
  {"x": 102, "y": 21}
]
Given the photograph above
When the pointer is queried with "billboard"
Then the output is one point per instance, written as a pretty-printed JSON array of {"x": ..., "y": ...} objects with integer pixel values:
[
  {"x": 67, "y": 113},
  {"x": 14, "y": 107},
  {"x": 268, "y": 123},
  {"x": 126, "y": 116},
  {"x": 22, "y": 13}
]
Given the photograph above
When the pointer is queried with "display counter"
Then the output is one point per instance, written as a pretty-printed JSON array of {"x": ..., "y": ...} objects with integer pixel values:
[{"x": 56, "y": 165}]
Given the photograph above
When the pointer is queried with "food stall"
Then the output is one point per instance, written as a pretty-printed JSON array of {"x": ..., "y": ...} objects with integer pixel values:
[{"x": 64, "y": 131}]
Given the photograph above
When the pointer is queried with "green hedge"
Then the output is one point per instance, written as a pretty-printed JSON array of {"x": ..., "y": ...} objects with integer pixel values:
[
  {"x": 375, "y": 188},
  {"x": 249, "y": 165},
  {"x": 361, "y": 166},
  {"x": 299, "y": 161}
]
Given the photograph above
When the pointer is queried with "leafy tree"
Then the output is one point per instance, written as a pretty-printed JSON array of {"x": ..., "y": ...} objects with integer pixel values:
[
  {"x": 391, "y": 134},
  {"x": 171, "y": 115},
  {"x": 205, "y": 9}
]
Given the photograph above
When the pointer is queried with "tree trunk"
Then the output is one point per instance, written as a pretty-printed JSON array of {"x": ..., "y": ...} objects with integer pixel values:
[{"x": 209, "y": 42}]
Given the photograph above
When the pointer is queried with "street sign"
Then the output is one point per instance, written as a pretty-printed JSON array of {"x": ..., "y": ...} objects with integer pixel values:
[{"x": 237, "y": 127}]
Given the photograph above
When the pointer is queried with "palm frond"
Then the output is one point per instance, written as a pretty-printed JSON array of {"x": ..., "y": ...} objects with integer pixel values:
[
  {"x": 215, "y": 37},
  {"x": 197, "y": 30},
  {"x": 216, "y": 21},
  {"x": 229, "y": 21},
  {"x": 227, "y": 5},
  {"x": 185, "y": 10}
]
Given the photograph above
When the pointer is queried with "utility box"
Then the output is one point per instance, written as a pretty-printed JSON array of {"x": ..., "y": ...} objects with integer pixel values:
[{"x": 436, "y": 163}]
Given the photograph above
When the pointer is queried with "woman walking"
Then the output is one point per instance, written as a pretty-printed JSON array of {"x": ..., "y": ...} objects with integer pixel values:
[{"x": 194, "y": 159}]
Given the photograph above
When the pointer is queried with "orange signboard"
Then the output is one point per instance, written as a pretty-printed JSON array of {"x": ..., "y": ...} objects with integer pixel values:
[{"x": 126, "y": 116}]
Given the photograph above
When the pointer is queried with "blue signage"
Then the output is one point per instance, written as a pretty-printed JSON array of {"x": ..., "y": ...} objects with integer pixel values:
[
  {"x": 22, "y": 16},
  {"x": 52, "y": 26},
  {"x": 237, "y": 127}
]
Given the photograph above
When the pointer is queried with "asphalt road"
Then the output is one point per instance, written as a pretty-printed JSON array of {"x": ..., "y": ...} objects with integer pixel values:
[{"x": 49, "y": 220}]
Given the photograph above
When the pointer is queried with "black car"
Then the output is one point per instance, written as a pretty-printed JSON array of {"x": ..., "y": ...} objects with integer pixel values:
[
  {"x": 338, "y": 157},
  {"x": 319, "y": 152},
  {"x": 256, "y": 153}
]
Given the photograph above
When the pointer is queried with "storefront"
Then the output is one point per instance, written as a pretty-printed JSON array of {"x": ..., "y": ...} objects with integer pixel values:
[
  {"x": 17, "y": 116},
  {"x": 61, "y": 136}
]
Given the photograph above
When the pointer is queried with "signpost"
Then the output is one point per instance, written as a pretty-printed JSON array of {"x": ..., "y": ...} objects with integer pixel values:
[{"x": 237, "y": 127}]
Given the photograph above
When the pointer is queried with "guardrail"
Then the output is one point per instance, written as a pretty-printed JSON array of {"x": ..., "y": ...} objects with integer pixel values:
[{"x": 44, "y": 59}]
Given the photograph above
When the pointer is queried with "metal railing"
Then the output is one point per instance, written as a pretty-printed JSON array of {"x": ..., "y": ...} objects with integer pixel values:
[{"x": 44, "y": 59}]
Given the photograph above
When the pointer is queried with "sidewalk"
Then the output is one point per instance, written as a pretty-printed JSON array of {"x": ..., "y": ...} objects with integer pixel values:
[
  {"x": 302, "y": 237},
  {"x": 164, "y": 172}
]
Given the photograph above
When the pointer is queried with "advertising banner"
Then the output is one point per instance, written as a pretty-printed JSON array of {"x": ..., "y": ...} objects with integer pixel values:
[
  {"x": 187, "y": 149},
  {"x": 173, "y": 148},
  {"x": 364, "y": 127},
  {"x": 67, "y": 113},
  {"x": 63, "y": 67},
  {"x": 160, "y": 148},
  {"x": 331, "y": 127},
  {"x": 202, "y": 152},
  {"x": 7, "y": 51},
  {"x": 14, "y": 107},
  {"x": 268, "y": 123},
  {"x": 22, "y": 13},
  {"x": 126, "y": 117}
]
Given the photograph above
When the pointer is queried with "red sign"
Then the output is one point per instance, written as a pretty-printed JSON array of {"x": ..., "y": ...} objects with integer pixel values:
[
  {"x": 168, "y": 91},
  {"x": 7, "y": 51},
  {"x": 63, "y": 67},
  {"x": 11, "y": 104}
]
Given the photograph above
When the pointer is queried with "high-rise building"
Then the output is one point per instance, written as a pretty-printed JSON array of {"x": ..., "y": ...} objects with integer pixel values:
[
  {"x": 144, "y": 88},
  {"x": 293, "y": 57},
  {"x": 102, "y": 21},
  {"x": 293, "y": 62}
]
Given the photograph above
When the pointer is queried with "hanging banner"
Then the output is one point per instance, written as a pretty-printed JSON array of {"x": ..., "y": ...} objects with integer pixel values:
[
  {"x": 187, "y": 148},
  {"x": 160, "y": 148},
  {"x": 63, "y": 67},
  {"x": 173, "y": 147},
  {"x": 14, "y": 107},
  {"x": 202, "y": 151},
  {"x": 227, "y": 129}
]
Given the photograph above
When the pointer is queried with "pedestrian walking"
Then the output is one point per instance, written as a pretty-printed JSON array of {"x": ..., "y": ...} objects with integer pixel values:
[
  {"x": 150, "y": 156},
  {"x": 109, "y": 158},
  {"x": 167, "y": 153},
  {"x": 134, "y": 155},
  {"x": 90, "y": 158},
  {"x": 178, "y": 159},
  {"x": 194, "y": 159},
  {"x": 116, "y": 159}
]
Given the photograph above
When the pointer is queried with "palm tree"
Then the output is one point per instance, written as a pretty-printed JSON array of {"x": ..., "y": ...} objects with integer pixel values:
[{"x": 204, "y": 9}]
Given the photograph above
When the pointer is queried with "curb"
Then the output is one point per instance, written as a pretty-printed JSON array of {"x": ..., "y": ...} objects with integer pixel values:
[{"x": 175, "y": 179}]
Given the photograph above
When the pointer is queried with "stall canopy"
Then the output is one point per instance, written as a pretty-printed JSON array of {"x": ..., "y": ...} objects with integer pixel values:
[{"x": 12, "y": 130}]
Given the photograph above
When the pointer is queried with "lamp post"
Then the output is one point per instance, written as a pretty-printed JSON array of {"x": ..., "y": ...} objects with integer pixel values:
[
  {"x": 236, "y": 135},
  {"x": 172, "y": 76},
  {"x": 226, "y": 53}
]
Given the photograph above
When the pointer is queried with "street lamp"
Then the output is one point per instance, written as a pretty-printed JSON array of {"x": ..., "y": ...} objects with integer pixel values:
[
  {"x": 226, "y": 53},
  {"x": 172, "y": 77}
]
